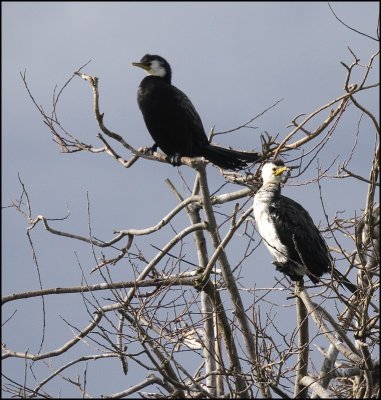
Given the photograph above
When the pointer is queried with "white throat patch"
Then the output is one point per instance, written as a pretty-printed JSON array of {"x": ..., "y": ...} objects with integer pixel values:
[{"x": 156, "y": 69}]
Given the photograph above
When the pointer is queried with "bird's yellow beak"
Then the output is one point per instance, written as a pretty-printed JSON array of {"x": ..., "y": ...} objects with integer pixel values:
[
  {"x": 141, "y": 65},
  {"x": 280, "y": 171}
]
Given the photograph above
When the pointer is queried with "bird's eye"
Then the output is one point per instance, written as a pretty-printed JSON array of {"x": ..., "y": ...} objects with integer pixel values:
[{"x": 274, "y": 169}]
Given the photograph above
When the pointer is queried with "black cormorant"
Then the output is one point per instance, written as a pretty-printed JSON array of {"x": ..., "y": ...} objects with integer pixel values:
[
  {"x": 289, "y": 233},
  {"x": 174, "y": 123}
]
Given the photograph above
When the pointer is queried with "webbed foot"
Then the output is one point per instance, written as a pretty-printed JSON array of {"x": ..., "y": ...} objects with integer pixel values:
[
  {"x": 150, "y": 150},
  {"x": 288, "y": 270},
  {"x": 174, "y": 159}
]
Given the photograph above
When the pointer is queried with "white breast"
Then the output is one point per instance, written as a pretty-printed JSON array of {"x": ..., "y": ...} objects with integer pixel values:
[{"x": 266, "y": 228}]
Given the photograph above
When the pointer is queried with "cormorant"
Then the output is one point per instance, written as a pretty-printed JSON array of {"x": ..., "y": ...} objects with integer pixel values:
[
  {"x": 289, "y": 232},
  {"x": 174, "y": 123}
]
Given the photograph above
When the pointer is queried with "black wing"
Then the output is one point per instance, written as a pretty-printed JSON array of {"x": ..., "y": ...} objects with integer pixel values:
[
  {"x": 297, "y": 231},
  {"x": 171, "y": 118}
]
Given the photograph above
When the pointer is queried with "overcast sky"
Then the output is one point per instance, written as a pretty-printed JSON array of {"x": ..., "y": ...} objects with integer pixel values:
[{"x": 232, "y": 59}]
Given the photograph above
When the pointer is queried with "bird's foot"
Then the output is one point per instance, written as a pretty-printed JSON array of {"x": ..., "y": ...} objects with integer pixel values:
[
  {"x": 150, "y": 150},
  {"x": 174, "y": 159},
  {"x": 279, "y": 266},
  {"x": 287, "y": 269}
]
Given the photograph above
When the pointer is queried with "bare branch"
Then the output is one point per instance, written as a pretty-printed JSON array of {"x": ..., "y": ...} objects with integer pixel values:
[
  {"x": 301, "y": 391},
  {"x": 349, "y": 27}
]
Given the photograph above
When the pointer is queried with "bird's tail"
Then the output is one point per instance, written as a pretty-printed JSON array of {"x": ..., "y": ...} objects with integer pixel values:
[
  {"x": 227, "y": 158},
  {"x": 344, "y": 281}
]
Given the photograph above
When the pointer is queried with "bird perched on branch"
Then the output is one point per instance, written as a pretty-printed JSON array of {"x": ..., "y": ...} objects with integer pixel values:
[
  {"x": 289, "y": 233},
  {"x": 174, "y": 123}
]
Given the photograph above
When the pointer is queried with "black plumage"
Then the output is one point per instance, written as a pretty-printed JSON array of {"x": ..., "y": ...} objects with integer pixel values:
[
  {"x": 289, "y": 232},
  {"x": 298, "y": 233},
  {"x": 174, "y": 123}
]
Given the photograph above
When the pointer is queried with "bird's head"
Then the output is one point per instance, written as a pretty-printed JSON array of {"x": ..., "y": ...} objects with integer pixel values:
[
  {"x": 155, "y": 65},
  {"x": 272, "y": 171}
]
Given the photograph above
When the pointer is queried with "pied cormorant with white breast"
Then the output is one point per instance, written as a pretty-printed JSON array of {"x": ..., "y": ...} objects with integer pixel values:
[
  {"x": 289, "y": 232},
  {"x": 174, "y": 123}
]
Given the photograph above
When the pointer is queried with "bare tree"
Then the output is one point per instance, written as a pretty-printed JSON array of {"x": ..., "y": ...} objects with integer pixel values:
[{"x": 194, "y": 326}]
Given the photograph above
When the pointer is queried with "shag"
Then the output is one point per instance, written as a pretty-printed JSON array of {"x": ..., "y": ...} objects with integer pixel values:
[
  {"x": 174, "y": 123},
  {"x": 289, "y": 233}
]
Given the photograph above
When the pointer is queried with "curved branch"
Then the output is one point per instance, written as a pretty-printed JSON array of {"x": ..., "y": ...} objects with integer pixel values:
[
  {"x": 190, "y": 229},
  {"x": 150, "y": 380},
  {"x": 349, "y": 27},
  {"x": 318, "y": 318},
  {"x": 343, "y": 102},
  {"x": 122, "y": 233},
  {"x": 316, "y": 387},
  {"x": 35, "y": 357}
]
